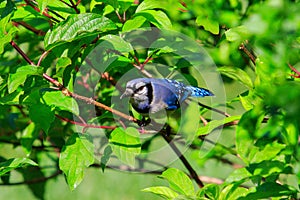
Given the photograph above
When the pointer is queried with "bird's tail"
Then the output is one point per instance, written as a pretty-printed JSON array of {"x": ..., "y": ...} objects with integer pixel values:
[{"x": 199, "y": 92}]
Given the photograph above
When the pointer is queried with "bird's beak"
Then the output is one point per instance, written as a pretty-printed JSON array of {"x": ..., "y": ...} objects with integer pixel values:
[{"x": 127, "y": 93}]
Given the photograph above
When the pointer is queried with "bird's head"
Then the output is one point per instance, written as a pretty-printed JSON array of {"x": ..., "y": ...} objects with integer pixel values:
[{"x": 137, "y": 88}]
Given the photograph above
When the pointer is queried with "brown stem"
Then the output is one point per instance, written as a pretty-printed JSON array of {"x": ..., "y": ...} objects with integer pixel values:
[
  {"x": 74, "y": 6},
  {"x": 243, "y": 48},
  {"x": 27, "y": 26},
  {"x": 38, "y": 10},
  {"x": 14, "y": 45}
]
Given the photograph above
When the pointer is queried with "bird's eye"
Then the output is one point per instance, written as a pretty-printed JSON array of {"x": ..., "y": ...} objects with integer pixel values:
[{"x": 140, "y": 88}]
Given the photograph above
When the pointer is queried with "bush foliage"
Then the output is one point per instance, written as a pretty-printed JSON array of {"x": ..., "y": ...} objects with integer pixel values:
[{"x": 62, "y": 72}]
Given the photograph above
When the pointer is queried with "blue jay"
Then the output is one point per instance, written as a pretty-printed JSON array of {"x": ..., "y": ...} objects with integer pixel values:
[{"x": 150, "y": 95}]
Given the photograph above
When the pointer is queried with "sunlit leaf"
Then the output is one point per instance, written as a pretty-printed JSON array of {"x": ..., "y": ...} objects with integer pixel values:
[
  {"x": 15, "y": 163},
  {"x": 75, "y": 157},
  {"x": 60, "y": 101},
  {"x": 158, "y": 18},
  {"x": 19, "y": 77},
  {"x": 126, "y": 145},
  {"x": 208, "y": 128},
  {"x": 179, "y": 181},
  {"x": 77, "y": 27},
  {"x": 208, "y": 24},
  {"x": 162, "y": 191}
]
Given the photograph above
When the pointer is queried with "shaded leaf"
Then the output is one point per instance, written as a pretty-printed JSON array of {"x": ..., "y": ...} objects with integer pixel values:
[
  {"x": 105, "y": 158},
  {"x": 269, "y": 189},
  {"x": 247, "y": 126},
  {"x": 237, "y": 74},
  {"x": 76, "y": 155},
  {"x": 30, "y": 133},
  {"x": 41, "y": 115}
]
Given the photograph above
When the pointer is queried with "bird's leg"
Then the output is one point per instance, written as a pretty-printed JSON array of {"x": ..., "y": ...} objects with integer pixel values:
[{"x": 144, "y": 122}]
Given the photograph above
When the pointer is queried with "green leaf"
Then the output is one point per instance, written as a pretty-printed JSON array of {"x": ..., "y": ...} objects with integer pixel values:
[
  {"x": 233, "y": 192},
  {"x": 211, "y": 191},
  {"x": 134, "y": 23},
  {"x": 157, "y": 18},
  {"x": 237, "y": 74},
  {"x": 61, "y": 65},
  {"x": 239, "y": 33},
  {"x": 15, "y": 163},
  {"x": 179, "y": 181},
  {"x": 76, "y": 155},
  {"x": 268, "y": 152},
  {"x": 241, "y": 174},
  {"x": 117, "y": 43},
  {"x": 208, "y": 24},
  {"x": 151, "y": 4},
  {"x": 41, "y": 115},
  {"x": 105, "y": 158},
  {"x": 9, "y": 8},
  {"x": 162, "y": 191},
  {"x": 6, "y": 38},
  {"x": 19, "y": 77},
  {"x": 30, "y": 133},
  {"x": 212, "y": 125},
  {"x": 60, "y": 101},
  {"x": 247, "y": 126},
  {"x": 270, "y": 189},
  {"x": 126, "y": 145},
  {"x": 77, "y": 27}
]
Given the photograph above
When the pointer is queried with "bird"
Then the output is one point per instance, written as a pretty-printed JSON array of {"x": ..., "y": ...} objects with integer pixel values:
[{"x": 151, "y": 95}]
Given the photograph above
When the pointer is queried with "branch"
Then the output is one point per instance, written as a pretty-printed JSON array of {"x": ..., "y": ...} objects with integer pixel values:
[
  {"x": 193, "y": 173},
  {"x": 295, "y": 71},
  {"x": 32, "y": 29},
  {"x": 34, "y": 181},
  {"x": 66, "y": 92},
  {"x": 14, "y": 45}
]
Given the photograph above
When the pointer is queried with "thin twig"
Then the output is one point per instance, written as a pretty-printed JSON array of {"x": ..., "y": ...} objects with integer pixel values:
[
  {"x": 84, "y": 124},
  {"x": 214, "y": 109},
  {"x": 252, "y": 57},
  {"x": 32, "y": 29},
  {"x": 74, "y": 6},
  {"x": 294, "y": 70},
  {"x": 42, "y": 57}
]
